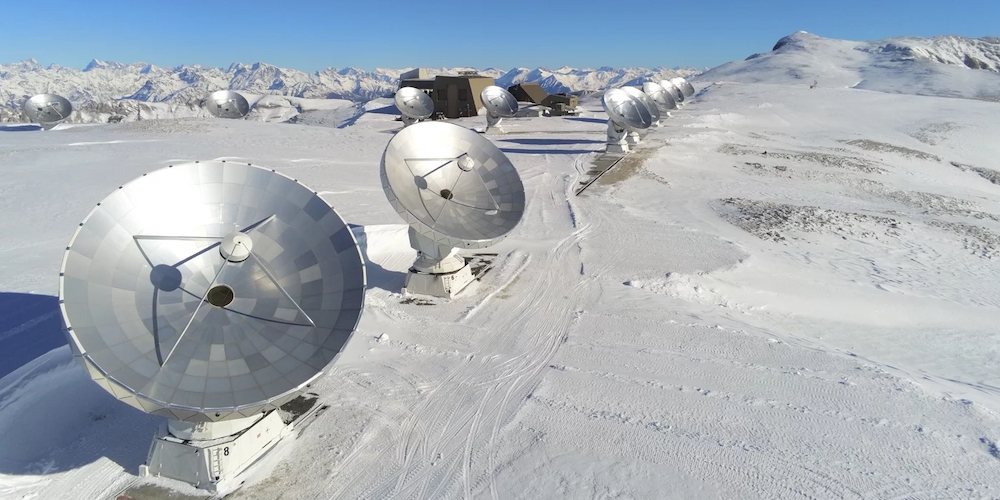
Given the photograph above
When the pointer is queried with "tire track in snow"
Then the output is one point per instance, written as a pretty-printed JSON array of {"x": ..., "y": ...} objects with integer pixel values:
[{"x": 445, "y": 445}]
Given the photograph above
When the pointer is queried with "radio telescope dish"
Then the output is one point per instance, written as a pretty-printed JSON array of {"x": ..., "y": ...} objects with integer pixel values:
[
  {"x": 633, "y": 137},
  {"x": 414, "y": 105},
  {"x": 641, "y": 96},
  {"x": 47, "y": 109},
  {"x": 227, "y": 104},
  {"x": 673, "y": 91},
  {"x": 210, "y": 294},
  {"x": 625, "y": 115},
  {"x": 499, "y": 104},
  {"x": 659, "y": 95},
  {"x": 686, "y": 88},
  {"x": 455, "y": 189}
]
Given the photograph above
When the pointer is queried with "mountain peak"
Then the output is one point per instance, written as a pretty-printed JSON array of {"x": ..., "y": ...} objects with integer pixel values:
[
  {"x": 94, "y": 64},
  {"x": 98, "y": 64},
  {"x": 795, "y": 38},
  {"x": 26, "y": 65}
]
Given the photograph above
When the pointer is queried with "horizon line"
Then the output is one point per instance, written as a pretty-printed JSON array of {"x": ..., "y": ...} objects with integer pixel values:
[{"x": 99, "y": 62}]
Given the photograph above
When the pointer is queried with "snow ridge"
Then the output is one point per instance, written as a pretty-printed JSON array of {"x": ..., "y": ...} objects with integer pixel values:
[{"x": 947, "y": 66}]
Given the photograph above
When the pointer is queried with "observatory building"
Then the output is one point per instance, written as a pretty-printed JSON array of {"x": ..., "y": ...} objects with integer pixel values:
[
  {"x": 419, "y": 78},
  {"x": 558, "y": 104},
  {"x": 528, "y": 92},
  {"x": 458, "y": 96},
  {"x": 562, "y": 104},
  {"x": 454, "y": 96}
]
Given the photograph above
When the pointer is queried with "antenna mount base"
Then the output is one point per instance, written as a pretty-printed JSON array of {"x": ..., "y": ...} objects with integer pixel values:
[{"x": 438, "y": 271}]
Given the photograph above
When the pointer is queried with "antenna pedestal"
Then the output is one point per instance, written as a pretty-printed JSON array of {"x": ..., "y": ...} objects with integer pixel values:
[
  {"x": 209, "y": 455},
  {"x": 409, "y": 120},
  {"x": 438, "y": 270},
  {"x": 617, "y": 143},
  {"x": 632, "y": 138},
  {"x": 493, "y": 126}
]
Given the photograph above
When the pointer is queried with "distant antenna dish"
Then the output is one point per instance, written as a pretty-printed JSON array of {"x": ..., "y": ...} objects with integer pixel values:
[
  {"x": 414, "y": 105},
  {"x": 625, "y": 114},
  {"x": 499, "y": 104},
  {"x": 673, "y": 91},
  {"x": 211, "y": 294},
  {"x": 47, "y": 109},
  {"x": 654, "y": 111},
  {"x": 227, "y": 104},
  {"x": 686, "y": 88},
  {"x": 455, "y": 189},
  {"x": 659, "y": 95}
]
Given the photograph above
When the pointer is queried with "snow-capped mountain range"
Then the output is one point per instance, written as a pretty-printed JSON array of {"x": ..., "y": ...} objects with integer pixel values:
[
  {"x": 105, "y": 81},
  {"x": 141, "y": 90}
]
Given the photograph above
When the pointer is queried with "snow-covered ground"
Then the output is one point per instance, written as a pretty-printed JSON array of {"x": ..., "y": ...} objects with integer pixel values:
[
  {"x": 938, "y": 66},
  {"x": 787, "y": 292}
]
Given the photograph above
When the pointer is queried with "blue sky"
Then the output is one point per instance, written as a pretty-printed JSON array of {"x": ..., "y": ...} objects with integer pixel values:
[{"x": 312, "y": 35}]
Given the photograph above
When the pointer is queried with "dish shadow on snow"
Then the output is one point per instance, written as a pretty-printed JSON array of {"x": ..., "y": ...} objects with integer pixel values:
[
  {"x": 24, "y": 127},
  {"x": 551, "y": 142},
  {"x": 378, "y": 276},
  {"x": 549, "y": 151},
  {"x": 54, "y": 418},
  {"x": 387, "y": 110},
  {"x": 602, "y": 121},
  {"x": 30, "y": 325}
]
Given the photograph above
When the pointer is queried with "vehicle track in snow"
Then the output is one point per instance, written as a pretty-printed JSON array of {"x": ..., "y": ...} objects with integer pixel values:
[{"x": 445, "y": 445}]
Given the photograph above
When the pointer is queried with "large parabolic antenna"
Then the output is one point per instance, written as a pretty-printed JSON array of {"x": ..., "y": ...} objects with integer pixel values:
[
  {"x": 47, "y": 110},
  {"x": 686, "y": 88},
  {"x": 654, "y": 111},
  {"x": 625, "y": 114},
  {"x": 227, "y": 104},
  {"x": 456, "y": 190},
  {"x": 673, "y": 91},
  {"x": 500, "y": 104},
  {"x": 414, "y": 105},
  {"x": 210, "y": 294},
  {"x": 660, "y": 96}
]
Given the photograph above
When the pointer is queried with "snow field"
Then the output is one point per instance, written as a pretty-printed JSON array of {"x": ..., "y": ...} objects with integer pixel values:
[{"x": 702, "y": 325}]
